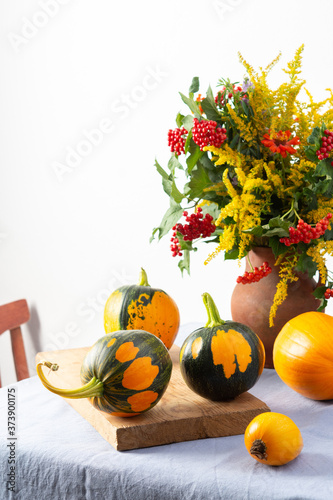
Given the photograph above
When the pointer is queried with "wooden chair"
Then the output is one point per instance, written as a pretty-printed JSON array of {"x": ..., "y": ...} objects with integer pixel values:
[{"x": 12, "y": 316}]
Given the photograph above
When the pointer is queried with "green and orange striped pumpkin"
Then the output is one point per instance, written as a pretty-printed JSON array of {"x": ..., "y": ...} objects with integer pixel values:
[
  {"x": 222, "y": 359},
  {"x": 141, "y": 307},
  {"x": 124, "y": 373}
]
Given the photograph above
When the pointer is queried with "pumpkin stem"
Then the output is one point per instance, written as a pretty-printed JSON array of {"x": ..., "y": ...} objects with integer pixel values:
[
  {"x": 91, "y": 389},
  {"x": 143, "y": 279},
  {"x": 258, "y": 449},
  {"x": 214, "y": 318}
]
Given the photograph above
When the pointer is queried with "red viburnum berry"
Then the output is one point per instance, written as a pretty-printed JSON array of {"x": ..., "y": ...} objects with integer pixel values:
[
  {"x": 256, "y": 275},
  {"x": 198, "y": 226},
  {"x": 219, "y": 101},
  {"x": 306, "y": 233},
  {"x": 328, "y": 293},
  {"x": 326, "y": 145},
  {"x": 177, "y": 139},
  {"x": 222, "y": 97},
  {"x": 207, "y": 133}
]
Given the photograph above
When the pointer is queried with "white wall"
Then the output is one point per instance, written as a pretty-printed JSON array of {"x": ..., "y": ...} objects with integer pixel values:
[{"x": 70, "y": 66}]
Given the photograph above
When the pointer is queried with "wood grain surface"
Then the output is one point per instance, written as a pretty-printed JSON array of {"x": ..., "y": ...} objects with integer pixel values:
[{"x": 180, "y": 415}]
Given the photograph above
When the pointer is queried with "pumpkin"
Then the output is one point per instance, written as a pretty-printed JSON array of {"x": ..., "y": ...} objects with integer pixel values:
[
  {"x": 303, "y": 355},
  {"x": 273, "y": 439},
  {"x": 124, "y": 373},
  {"x": 141, "y": 307},
  {"x": 222, "y": 359}
]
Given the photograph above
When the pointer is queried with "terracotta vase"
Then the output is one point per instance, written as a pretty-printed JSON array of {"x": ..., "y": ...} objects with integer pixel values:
[{"x": 251, "y": 303}]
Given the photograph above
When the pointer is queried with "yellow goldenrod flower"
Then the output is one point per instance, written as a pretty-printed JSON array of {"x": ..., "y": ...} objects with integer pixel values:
[
  {"x": 317, "y": 253},
  {"x": 245, "y": 129},
  {"x": 325, "y": 206},
  {"x": 287, "y": 275}
]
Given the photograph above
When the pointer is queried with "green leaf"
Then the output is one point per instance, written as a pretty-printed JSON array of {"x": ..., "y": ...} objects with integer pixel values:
[
  {"x": 315, "y": 137},
  {"x": 328, "y": 235},
  {"x": 187, "y": 122},
  {"x": 184, "y": 263},
  {"x": 209, "y": 106},
  {"x": 207, "y": 163},
  {"x": 171, "y": 217},
  {"x": 324, "y": 178},
  {"x": 170, "y": 188},
  {"x": 153, "y": 234},
  {"x": 278, "y": 222},
  {"x": 176, "y": 194},
  {"x": 213, "y": 210},
  {"x": 324, "y": 169},
  {"x": 188, "y": 142},
  {"x": 234, "y": 141},
  {"x": 192, "y": 160},
  {"x": 305, "y": 264},
  {"x": 256, "y": 231},
  {"x": 322, "y": 306},
  {"x": 199, "y": 181},
  {"x": 276, "y": 227},
  {"x": 160, "y": 170},
  {"x": 310, "y": 153},
  {"x": 193, "y": 105},
  {"x": 319, "y": 292},
  {"x": 231, "y": 254},
  {"x": 229, "y": 220},
  {"x": 277, "y": 247},
  {"x": 179, "y": 120},
  {"x": 194, "y": 87},
  {"x": 245, "y": 108},
  {"x": 167, "y": 186},
  {"x": 174, "y": 163}
]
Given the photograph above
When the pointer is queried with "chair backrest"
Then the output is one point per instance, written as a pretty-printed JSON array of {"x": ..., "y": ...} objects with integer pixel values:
[{"x": 12, "y": 316}]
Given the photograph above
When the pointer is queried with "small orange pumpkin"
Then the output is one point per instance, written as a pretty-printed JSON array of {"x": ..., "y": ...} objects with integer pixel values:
[
  {"x": 273, "y": 439},
  {"x": 303, "y": 355},
  {"x": 141, "y": 307}
]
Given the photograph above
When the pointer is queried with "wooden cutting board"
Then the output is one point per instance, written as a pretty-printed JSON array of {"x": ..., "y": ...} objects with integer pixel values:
[{"x": 180, "y": 415}]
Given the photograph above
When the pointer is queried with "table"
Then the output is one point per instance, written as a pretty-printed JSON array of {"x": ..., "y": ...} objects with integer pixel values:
[{"x": 59, "y": 456}]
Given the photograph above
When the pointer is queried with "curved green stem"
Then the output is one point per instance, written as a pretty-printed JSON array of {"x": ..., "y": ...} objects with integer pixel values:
[
  {"x": 143, "y": 279},
  {"x": 249, "y": 262},
  {"x": 289, "y": 211},
  {"x": 214, "y": 318},
  {"x": 91, "y": 389}
]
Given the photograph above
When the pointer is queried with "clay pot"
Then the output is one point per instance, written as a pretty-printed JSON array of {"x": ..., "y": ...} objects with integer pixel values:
[{"x": 251, "y": 303}]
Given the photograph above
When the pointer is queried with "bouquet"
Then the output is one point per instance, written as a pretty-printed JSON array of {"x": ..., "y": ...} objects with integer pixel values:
[{"x": 251, "y": 166}]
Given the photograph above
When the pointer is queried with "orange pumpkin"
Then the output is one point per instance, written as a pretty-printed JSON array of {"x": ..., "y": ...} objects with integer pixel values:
[
  {"x": 141, "y": 307},
  {"x": 273, "y": 439},
  {"x": 303, "y": 355}
]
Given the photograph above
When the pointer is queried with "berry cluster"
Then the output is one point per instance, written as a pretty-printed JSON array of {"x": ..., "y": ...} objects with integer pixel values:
[
  {"x": 176, "y": 139},
  {"x": 304, "y": 232},
  {"x": 206, "y": 133},
  {"x": 175, "y": 246},
  {"x": 219, "y": 98},
  {"x": 198, "y": 226},
  {"x": 256, "y": 275},
  {"x": 328, "y": 293},
  {"x": 326, "y": 145}
]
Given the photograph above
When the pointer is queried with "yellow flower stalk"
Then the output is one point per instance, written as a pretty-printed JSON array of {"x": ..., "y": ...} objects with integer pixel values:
[
  {"x": 244, "y": 129},
  {"x": 324, "y": 206},
  {"x": 294, "y": 66},
  {"x": 287, "y": 276},
  {"x": 226, "y": 155},
  {"x": 317, "y": 253}
]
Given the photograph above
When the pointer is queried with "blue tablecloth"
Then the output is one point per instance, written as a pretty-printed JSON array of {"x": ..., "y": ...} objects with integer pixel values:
[{"x": 59, "y": 456}]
